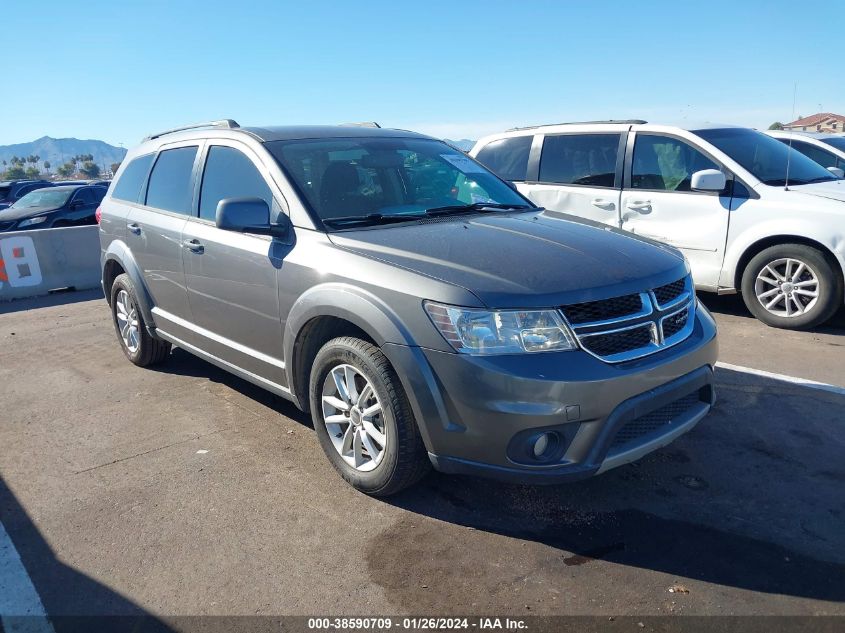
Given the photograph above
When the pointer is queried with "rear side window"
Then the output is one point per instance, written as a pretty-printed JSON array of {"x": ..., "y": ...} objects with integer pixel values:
[
  {"x": 230, "y": 174},
  {"x": 170, "y": 185},
  {"x": 128, "y": 186},
  {"x": 580, "y": 159},
  {"x": 507, "y": 157}
]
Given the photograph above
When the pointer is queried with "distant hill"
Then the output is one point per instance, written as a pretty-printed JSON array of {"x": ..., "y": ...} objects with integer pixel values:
[
  {"x": 464, "y": 144},
  {"x": 59, "y": 150}
]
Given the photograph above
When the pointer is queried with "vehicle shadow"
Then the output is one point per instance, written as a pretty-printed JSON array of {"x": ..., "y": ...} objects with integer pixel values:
[
  {"x": 733, "y": 305},
  {"x": 47, "y": 301},
  {"x": 73, "y": 601},
  {"x": 751, "y": 498}
]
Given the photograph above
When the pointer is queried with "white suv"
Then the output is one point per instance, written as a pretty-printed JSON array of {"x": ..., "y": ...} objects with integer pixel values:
[
  {"x": 720, "y": 194},
  {"x": 828, "y": 150}
]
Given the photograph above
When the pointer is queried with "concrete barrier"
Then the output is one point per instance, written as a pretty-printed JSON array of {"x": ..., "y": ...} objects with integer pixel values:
[{"x": 33, "y": 263}]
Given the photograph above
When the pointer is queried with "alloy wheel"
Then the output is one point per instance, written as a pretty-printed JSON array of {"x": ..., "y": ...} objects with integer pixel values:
[
  {"x": 787, "y": 287},
  {"x": 127, "y": 321}
]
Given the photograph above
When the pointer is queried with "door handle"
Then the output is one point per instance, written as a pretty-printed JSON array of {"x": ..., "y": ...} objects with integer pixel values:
[
  {"x": 194, "y": 246},
  {"x": 602, "y": 203},
  {"x": 134, "y": 228},
  {"x": 643, "y": 206}
]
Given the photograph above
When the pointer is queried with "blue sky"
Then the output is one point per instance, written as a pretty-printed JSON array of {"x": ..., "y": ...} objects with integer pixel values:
[{"x": 459, "y": 69}]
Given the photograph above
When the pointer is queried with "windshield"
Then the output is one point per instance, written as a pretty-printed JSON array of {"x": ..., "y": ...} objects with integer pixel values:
[
  {"x": 765, "y": 157},
  {"x": 43, "y": 198},
  {"x": 837, "y": 141},
  {"x": 386, "y": 179}
]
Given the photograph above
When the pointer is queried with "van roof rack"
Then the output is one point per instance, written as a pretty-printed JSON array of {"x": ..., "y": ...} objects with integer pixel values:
[
  {"x": 361, "y": 124},
  {"x": 224, "y": 123},
  {"x": 624, "y": 121}
]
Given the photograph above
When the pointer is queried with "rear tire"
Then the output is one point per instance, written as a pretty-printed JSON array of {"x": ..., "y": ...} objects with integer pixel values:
[
  {"x": 137, "y": 344},
  {"x": 792, "y": 286},
  {"x": 378, "y": 453}
]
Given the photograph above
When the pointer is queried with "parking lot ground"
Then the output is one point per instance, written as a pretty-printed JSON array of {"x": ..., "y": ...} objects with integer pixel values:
[{"x": 184, "y": 490}]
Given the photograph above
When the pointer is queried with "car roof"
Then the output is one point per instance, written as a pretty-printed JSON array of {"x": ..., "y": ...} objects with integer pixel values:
[
  {"x": 68, "y": 187},
  {"x": 299, "y": 132}
]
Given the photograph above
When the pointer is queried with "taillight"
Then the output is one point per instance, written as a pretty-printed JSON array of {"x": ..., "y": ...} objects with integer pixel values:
[{"x": 98, "y": 214}]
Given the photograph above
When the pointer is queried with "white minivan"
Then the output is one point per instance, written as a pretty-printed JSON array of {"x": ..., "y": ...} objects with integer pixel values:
[{"x": 751, "y": 215}]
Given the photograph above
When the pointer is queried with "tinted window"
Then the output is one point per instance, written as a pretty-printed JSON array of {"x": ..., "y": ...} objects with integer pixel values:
[
  {"x": 89, "y": 195},
  {"x": 580, "y": 159},
  {"x": 507, "y": 157},
  {"x": 837, "y": 141},
  {"x": 128, "y": 187},
  {"x": 170, "y": 185},
  {"x": 822, "y": 157},
  {"x": 230, "y": 174},
  {"x": 766, "y": 158},
  {"x": 665, "y": 164}
]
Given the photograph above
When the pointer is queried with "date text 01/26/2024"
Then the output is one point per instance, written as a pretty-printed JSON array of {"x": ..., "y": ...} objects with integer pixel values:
[{"x": 416, "y": 623}]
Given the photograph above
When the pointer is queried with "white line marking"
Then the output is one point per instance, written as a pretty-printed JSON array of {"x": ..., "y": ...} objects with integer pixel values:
[
  {"x": 18, "y": 596},
  {"x": 803, "y": 382}
]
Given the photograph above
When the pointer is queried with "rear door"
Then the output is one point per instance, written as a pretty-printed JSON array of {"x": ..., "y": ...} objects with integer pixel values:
[
  {"x": 82, "y": 207},
  {"x": 657, "y": 201},
  {"x": 579, "y": 173},
  {"x": 154, "y": 233},
  {"x": 232, "y": 277}
]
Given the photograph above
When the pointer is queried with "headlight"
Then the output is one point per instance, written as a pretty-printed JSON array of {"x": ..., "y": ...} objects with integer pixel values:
[
  {"x": 474, "y": 331},
  {"x": 32, "y": 221}
]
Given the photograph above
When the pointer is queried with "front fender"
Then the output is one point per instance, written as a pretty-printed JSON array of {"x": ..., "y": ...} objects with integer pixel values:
[{"x": 119, "y": 252}]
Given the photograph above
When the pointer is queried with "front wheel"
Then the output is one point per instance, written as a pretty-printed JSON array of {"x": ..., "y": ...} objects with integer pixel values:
[
  {"x": 137, "y": 344},
  {"x": 363, "y": 418},
  {"x": 791, "y": 286}
]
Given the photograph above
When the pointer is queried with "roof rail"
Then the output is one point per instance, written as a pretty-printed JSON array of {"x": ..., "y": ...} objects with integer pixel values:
[
  {"x": 224, "y": 123},
  {"x": 361, "y": 124},
  {"x": 625, "y": 121}
]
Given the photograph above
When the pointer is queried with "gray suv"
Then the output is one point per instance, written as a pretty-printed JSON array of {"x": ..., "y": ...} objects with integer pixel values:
[{"x": 422, "y": 310}]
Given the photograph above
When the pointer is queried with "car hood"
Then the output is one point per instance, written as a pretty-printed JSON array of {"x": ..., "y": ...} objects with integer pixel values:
[
  {"x": 834, "y": 190},
  {"x": 24, "y": 212},
  {"x": 536, "y": 259}
]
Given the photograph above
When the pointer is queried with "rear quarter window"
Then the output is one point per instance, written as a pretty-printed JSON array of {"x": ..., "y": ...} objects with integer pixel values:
[
  {"x": 507, "y": 157},
  {"x": 171, "y": 185},
  {"x": 128, "y": 186}
]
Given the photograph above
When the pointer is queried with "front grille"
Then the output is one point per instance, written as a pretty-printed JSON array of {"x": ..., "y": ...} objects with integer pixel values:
[
  {"x": 603, "y": 310},
  {"x": 613, "y": 343},
  {"x": 668, "y": 293},
  {"x": 654, "y": 421},
  {"x": 630, "y": 326},
  {"x": 675, "y": 323}
]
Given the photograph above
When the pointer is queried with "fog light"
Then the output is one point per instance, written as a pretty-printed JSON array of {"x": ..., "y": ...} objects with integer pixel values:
[{"x": 541, "y": 444}]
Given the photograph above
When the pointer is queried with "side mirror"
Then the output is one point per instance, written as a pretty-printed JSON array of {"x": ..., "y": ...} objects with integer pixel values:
[
  {"x": 249, "y": 215},
  {"x": 708, "y": 180},
  {"x": 837, "y": 171}
]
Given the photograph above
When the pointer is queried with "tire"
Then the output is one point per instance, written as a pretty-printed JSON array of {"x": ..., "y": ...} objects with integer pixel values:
[
  {"x": 770, "y": 275},
  {"x": 402, "y": 460},
  {"x": 144, "y": 350}
]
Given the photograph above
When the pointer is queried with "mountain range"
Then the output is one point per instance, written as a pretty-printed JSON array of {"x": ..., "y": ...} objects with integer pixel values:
[{"x": 59, "y": 150}]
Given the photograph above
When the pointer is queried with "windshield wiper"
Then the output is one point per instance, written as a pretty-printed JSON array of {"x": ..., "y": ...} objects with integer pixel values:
[
  {"x": 372, "y": 218},
  {"x": 469, "y": 208}
]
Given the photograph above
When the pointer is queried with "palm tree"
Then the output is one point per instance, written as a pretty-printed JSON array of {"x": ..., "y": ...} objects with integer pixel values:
[{"x": 47, "y": 166}]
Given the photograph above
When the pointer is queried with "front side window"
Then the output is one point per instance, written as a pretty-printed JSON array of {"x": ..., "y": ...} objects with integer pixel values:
[
  {"x": 765, "y": 157},
  {"x": 580, "y": 159},
  {"x": 171, "y": 187},
  {"x": 387, "y": 178},
  {"x": 662, "y": 163},
  {"x": 128, "y": 186},
  {"x": 507, "y": 157},
  {"x": 230, "y": 174}
]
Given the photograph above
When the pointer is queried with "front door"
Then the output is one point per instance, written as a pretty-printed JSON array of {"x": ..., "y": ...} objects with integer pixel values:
[
  {"x": 579, "y": 174},
  {"x": 657, "y": 202},
  {"x": 232, "y": 277}
]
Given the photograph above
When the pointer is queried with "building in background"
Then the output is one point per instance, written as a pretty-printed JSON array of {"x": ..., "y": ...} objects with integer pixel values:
[{"x": 821, "y": 122}]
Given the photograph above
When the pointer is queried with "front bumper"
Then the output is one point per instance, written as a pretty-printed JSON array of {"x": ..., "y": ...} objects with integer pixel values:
[{"x": 478, "y": 414}]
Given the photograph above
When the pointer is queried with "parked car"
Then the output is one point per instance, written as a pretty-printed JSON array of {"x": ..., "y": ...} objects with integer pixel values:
[
  {"x": 826, "y": 149},
  {"x": 53, "y": 207},
  {"x": 13, "y": 190},
  {"x": 717, "y": 193},
  {"x": 421, "y": 309}
]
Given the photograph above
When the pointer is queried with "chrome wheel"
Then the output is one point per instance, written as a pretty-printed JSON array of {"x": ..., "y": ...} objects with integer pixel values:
[
  {"x": 127, "y": 321},
  {"x": 354, "y": 419},
  {"x": 787, "y": 287}
]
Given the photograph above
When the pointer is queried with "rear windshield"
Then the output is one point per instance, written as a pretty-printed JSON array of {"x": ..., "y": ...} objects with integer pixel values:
[
  {"x": 766, "y": 157},
  {"x": 837, "y": 141},
  {"x": 344, "y": 177}
]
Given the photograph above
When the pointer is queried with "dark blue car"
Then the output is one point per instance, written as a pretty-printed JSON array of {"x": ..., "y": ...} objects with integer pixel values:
[
  {"x": 52, "y": 207},
  {"x": 13, "y": 190}
]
